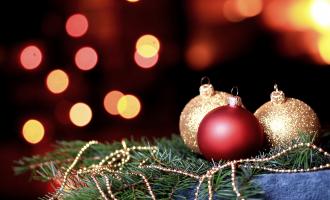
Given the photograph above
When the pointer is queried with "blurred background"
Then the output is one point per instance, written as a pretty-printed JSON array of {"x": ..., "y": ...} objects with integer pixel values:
[{"x": 112, "y": 69}]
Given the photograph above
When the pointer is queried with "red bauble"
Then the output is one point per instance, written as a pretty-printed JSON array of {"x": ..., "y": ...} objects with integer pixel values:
[{"x": 229, "y": 133}]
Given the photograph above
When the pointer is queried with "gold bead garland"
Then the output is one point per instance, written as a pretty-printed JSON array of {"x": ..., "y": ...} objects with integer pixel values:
[
  {"x": 107, "y": 183},
  {"x": 99, "y": 187},
  {"x": 123, "y": 155},
  {"x": 146, "y": 182},
  {"x": 171, "y": 170},
  {"x": 67, "y": 172},
  {"x": 233, "y": 180},
  {"x": 209, "y": 187}
]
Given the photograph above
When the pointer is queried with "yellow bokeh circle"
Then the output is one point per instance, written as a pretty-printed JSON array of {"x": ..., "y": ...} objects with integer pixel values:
[
  {"x": 80, "y": 114},
  {"x": 128, "y": 106},
  {"x": 147, "y": 46},
  {"x": 33, "y": 131}
]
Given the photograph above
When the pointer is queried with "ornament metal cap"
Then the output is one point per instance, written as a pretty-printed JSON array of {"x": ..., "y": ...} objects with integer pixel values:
[
  {"x": 234, "y": 100},
  {"x": 206, "y": 89},
  {"x": 277, "y": 96}
]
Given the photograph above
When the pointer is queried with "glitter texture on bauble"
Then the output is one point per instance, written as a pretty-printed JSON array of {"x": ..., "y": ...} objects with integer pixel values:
[
  {"x": 196, "y": 109},
  {"x": 284, "y": 119}
]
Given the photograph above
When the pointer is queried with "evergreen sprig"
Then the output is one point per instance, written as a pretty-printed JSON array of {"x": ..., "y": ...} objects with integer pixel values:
[{"x": 172, "y": 153}]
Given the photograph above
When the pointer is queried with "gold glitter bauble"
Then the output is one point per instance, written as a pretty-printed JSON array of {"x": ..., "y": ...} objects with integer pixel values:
[
  {"x": 195, "y": 111},
  {"x": 283, "y": 119}
]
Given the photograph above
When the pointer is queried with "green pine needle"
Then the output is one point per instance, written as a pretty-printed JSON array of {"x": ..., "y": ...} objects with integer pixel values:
[{"x": 172, "y": 154}]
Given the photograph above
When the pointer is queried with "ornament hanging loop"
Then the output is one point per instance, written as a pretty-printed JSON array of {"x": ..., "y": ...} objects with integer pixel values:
[
  {"x": 234, "y": 100},
  {"x": 206, "y": 89},
  {"x": 205, "y": 80},
  {"x": 275, "y": 87},
  {"x": 234, "y": 89}
]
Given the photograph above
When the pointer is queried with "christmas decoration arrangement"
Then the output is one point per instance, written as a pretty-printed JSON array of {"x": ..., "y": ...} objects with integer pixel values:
[{"x": 221, "y": 149}]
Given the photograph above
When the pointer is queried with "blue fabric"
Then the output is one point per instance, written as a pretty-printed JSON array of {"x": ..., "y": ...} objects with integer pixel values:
[
  {"x": 299, "y": 186},
  {"x": 284, "y": 186}
]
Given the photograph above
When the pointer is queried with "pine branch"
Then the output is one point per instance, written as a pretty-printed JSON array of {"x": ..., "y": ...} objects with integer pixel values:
[{"x": 172, "y": 154}]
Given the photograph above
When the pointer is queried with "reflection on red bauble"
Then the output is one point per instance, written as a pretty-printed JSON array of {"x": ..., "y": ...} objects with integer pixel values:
[{"x": 229, "y": 133}]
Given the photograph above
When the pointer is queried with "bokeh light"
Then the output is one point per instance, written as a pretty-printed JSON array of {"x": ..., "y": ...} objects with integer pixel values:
[
  {"x": 299, "y": 15},
  {"x": 324, "y": 48},
  {"x": 111, "y": 100},
  {"x": 86, "y": 58},
  {"x": 276, "y": 13},
  {"x": 249, "y": 8},
  {"x": 320, "y": 13},
  {"x": 305, "y": 25},
  {"x": 31, "y": 57},
  {"x": 231, "y": 12},
  {"x": 145, "y": 62},
  {"x": 129, "y": 106},
  {"x": 147, "y": 46},
  {"x": 33, "y": 131},
  {"x": 80, "y": 114},
  {"x": 132, "y": 1},
  {"x": 57, "y": 81},
  {"x": 76, "y": 25},
  {"x": 200, "y": 55}
]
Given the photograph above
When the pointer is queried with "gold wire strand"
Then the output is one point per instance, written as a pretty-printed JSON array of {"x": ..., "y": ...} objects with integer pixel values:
[
  {"x": 146, "y": 182},
  {"x": 99, "y": 188},
  {"x": 201, "y": 180},
  {"x": 67, "y": 172},
  {"x": 177, "y": 171},
  {"x": 107, "y": 183},
  {"x": 233, "y": 180},
  {"x": 209, "y": 186}
]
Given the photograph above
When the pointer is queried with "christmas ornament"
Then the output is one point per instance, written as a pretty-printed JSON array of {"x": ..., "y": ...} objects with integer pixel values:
[
  {"x": 284, "y": 118},
  {"x": 229, "y": 132},
  {"x": 196, "y": 109}
]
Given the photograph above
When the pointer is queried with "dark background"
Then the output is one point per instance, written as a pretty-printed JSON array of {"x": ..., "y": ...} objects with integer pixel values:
[{"x": 249, "y": 54}]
